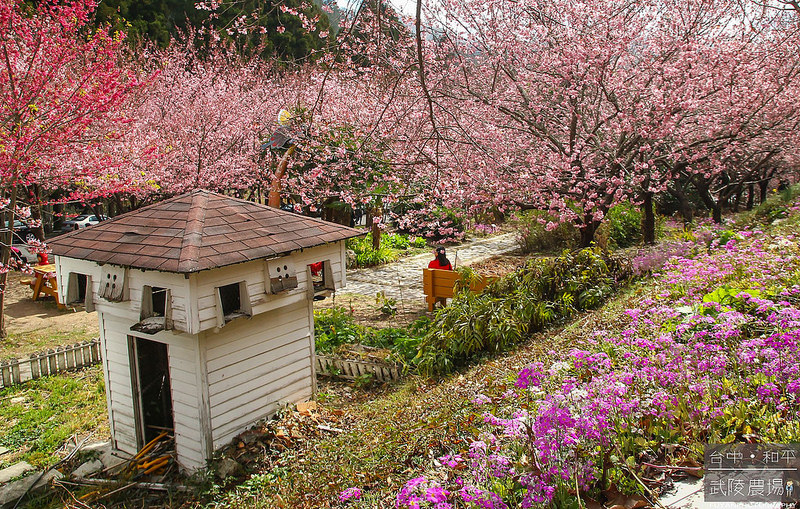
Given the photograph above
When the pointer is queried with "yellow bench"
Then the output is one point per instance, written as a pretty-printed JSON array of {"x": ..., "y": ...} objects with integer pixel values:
[{"x": 438, "y": 284}]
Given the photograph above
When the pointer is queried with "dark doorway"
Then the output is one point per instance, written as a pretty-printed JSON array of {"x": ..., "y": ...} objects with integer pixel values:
[
  {"x": 152, "y": 388},
  {"x": 81, "y": 287}
]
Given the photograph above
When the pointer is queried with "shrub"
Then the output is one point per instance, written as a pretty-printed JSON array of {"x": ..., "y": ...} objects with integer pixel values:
[
  {"x": 392, "y": 244},
  {"x": 624, "y": 225},
  {"x": 534, "y": 236},
  {"x": 334, "y": 327},
  {"x": 437, "y": 225},
  {"x": 531, "y": 298},
  {"x": 368, "y": 257}
]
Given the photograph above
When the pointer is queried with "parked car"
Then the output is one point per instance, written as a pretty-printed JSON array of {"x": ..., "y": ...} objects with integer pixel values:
[
  {"x": 21, "y": 231},
  {"x": 82, "y": 221}
]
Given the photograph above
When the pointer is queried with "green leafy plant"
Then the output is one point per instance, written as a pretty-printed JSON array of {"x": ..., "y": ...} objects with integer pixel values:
[
  {"x": 334, "y": 327},
  {"x": 392, "y": 246},
  {"x": 364, "y": 381},
  {"x": 624, "y": 225},
  {"x": 531, "y": 298},
  {"x": 533, "y": 234},
  {"x": 387, "y": 307}
]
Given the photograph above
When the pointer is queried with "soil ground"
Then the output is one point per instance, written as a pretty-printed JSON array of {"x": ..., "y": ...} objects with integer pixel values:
[{"x": 36, "y": 326}]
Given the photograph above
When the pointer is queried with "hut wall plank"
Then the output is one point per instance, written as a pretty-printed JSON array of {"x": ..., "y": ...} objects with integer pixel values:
[
  {"x": 254, "y": 356},
  {"x": 254, "y": 275},
  {"x": 250, "y": 365},
  {"x": 297, "y": 391},
  {"x": 260, "y": 371}
]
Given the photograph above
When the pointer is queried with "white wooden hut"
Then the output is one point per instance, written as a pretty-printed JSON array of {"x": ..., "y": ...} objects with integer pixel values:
[{"x": 206, "y": 315}]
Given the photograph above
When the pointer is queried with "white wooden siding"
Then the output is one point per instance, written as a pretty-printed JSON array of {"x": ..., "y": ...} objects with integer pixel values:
[
  {"x": 135, "y": 280},
  {"x": 117, "y": 372},
  {"x": 254, "y": 365},
  {"x": 254, "y": 274}
]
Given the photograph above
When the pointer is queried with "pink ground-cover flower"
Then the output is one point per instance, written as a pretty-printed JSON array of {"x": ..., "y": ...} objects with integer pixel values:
[{"x": 350, "y": 494}]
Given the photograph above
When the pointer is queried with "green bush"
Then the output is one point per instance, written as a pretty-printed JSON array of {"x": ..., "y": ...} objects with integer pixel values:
[
  {"x": 624, "y": 225},
  {"x": 776, "y": 206},
  {"x": 368, "y": 257},
  {"x": 335, "y": 327},
  {"x": 392, "y": 244},
  {"x": 531, "y": 298},
  {"x": 534, "y": 236}
]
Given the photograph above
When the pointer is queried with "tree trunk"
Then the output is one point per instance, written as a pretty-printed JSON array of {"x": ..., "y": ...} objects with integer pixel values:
[
  {"x": 58, "y": 216},
  {"x": 97, "y": 210},
  {"x": 588, "y": 229},
  {"x": 648, "y": 219},
  {"x": 684, "y": 206},
  {"x": 36, "y": 212},
  {"x": 275, "y": 189},
  {"x": 751, "y": 191},
  {"x": 763, "y": 187},
  {"x": 6, "y": 255},
  {"x": 708, "y": 200},
  {"x": 376, "y": 229},
  {"x": 737, "y": 200}
]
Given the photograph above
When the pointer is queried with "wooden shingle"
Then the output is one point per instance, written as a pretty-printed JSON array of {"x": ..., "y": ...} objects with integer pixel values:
[{"x": 197, "y": 231}]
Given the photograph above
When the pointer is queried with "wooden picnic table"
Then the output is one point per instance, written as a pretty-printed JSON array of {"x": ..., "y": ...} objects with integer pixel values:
[{"x": 43, "y": 285}]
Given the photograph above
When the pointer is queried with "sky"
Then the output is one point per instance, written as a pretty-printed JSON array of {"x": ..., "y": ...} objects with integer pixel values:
[{"x": 407, "y": 7}]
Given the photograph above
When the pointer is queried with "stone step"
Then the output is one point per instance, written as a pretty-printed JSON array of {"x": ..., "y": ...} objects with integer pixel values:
[
  {"x": 10, "y": 493},
  {"x": 14, "y": 470}
]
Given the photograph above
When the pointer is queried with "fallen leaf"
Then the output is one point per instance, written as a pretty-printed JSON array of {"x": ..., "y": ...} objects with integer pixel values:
[{"x": 306, "y": 407}]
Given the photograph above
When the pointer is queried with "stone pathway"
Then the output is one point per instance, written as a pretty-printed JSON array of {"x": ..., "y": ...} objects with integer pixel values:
[{"x": 402, "y": 280}]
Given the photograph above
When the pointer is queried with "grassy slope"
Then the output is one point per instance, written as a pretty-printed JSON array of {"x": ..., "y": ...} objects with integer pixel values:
[
  {"x": 399, "y": 434},
  {"x": 38, "y": 417}
]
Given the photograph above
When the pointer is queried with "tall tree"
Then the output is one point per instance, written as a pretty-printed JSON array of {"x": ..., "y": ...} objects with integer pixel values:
[{"x": 60, "y": 88}]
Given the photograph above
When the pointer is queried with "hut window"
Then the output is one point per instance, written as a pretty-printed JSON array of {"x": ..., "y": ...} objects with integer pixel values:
[
  {"x": 233, "y": 301},
  {"x": 156, "y": 310},
  {"x": 320, "y": 275},
  {"x": 79, "y": 290}
]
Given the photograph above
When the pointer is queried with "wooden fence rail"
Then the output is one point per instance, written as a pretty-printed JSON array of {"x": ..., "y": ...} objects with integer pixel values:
[
  {"x": 79, "y": 355},
  {"x": 346, "y": 368},
  {"x": 50, "y": 362}
]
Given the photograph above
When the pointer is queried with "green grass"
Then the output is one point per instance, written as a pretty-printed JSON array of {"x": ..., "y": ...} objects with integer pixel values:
[
  {"x": 21, "y": 345},
  {"x": 397, "y": 435},
  {"x": 38, "y": 417}
]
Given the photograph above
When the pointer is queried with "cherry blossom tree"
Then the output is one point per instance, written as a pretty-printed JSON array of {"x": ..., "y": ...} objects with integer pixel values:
[
  {"x": 572, "y": 107},
  {"x": 59, "y": 83}
]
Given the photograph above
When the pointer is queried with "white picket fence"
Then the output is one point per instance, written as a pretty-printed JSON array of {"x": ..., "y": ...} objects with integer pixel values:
[
  {"x": 50, "y": 362},
  {"x": 79, "y": 355}
]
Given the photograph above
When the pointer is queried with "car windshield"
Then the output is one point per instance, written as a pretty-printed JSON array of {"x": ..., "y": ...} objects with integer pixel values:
[{"x": 80, "y": 218}]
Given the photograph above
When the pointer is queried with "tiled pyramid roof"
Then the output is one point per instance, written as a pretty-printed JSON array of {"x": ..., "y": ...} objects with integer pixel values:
[{"x": 197, "y": 231}]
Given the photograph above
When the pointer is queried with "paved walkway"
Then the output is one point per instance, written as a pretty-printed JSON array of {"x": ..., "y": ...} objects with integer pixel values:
[{"x": 402, "y": 280}]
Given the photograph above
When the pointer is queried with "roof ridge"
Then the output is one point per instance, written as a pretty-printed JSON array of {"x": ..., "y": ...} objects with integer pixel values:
[{"x": 193, "y": 234}]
